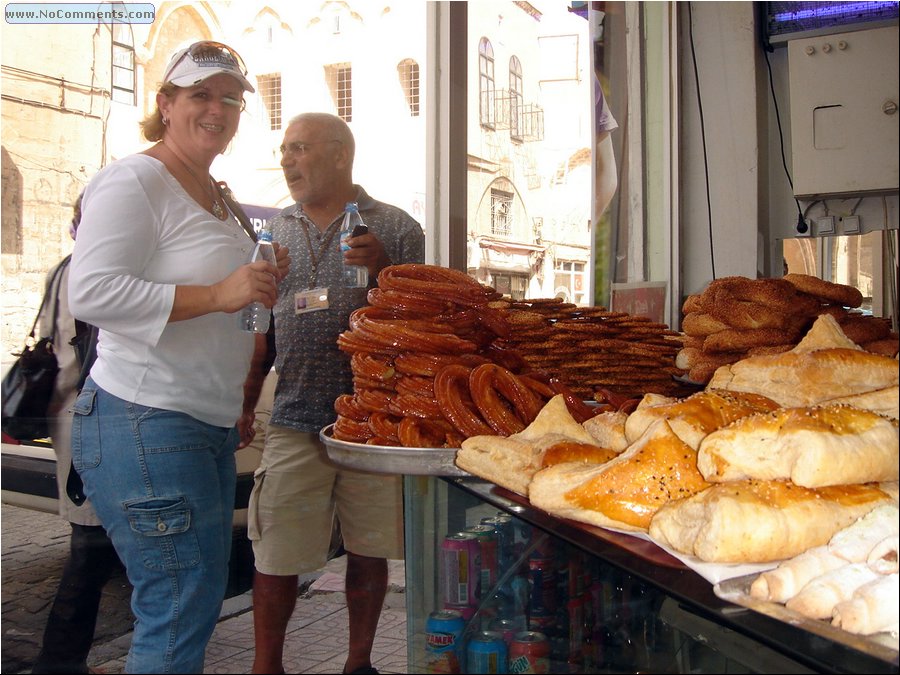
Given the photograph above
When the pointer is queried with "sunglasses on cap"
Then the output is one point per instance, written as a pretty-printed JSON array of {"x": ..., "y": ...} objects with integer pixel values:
[{"x": 204, "y": 59}]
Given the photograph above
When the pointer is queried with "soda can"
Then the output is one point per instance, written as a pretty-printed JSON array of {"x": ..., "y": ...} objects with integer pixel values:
[
  {"x": 487, "y": 540},
  {"x": 543, "y": 583},
  {"x": 529, "y": 653},
  {"x": 486, "y": 653},
  {"x": 459, "y": 569},
  {"x": 541, "y": 620},
  {"x": 506, "y": 627},
  {"x": 467, "y": 611},
  {"x": 443, "y": 641},
  {"x": 506, "y": 538}
]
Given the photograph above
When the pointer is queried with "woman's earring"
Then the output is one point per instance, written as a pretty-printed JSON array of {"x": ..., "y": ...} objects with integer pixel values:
[{"x": 165, "y": 121}]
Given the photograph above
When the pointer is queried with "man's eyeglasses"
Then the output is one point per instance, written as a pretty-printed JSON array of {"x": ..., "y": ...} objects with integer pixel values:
[
  {"x": 300, "y": 148},
  {"x": 210, "y": 52}
]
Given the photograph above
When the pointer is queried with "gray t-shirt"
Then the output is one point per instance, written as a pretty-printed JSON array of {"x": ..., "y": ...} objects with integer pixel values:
[{"x": 312, "y": 370}]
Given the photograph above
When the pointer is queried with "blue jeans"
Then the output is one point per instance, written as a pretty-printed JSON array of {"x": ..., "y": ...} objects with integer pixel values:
[{"x": 163, "y": 484}]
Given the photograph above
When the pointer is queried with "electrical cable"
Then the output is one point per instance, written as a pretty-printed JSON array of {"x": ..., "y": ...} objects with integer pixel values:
[
  {"x": 712, "y": 252},
  {"x": 802, "y": 227}
]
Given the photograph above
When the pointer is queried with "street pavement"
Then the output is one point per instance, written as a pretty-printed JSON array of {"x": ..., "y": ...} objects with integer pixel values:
[{"x": 34, "y": 550}]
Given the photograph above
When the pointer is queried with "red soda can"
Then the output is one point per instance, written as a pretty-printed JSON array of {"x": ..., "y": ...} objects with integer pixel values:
[
  {"x": 459, "y": 569},
  {"x": 529, "y": 652},
  {"x": 487, "y": 540},
  {"x": 443, "y": 641}
]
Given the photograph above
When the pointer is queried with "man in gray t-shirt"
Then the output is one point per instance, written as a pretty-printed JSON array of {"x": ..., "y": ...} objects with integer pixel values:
[{"x": 297, "y": 492}]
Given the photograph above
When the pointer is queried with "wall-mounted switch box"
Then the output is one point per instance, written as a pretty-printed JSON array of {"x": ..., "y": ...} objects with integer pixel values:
[
  {"x": 825, "y": 225},
  {"x": 850, "y": 225}
]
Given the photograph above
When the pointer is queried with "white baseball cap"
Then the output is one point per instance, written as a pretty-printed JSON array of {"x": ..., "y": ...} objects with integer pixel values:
[{"x": 192, "y": 65}]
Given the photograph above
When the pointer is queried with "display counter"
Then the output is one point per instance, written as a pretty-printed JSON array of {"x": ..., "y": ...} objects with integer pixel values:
[{"x": 618, "y": 603}]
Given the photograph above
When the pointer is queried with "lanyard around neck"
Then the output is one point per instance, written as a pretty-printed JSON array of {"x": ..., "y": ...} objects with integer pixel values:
[{"x": 317, "y": 257}]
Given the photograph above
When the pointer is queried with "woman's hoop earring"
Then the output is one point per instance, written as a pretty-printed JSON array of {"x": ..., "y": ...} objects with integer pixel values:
[{"x": 165, "y": 121}]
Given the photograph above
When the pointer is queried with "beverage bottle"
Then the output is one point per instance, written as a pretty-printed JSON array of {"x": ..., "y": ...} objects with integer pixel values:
[
  {"x": 354, "y": 276},
  {"x": 255, "y": 316}
]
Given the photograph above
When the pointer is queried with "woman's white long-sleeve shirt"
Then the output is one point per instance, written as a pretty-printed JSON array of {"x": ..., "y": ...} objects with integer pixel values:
[{"x": 140, "y": 236}]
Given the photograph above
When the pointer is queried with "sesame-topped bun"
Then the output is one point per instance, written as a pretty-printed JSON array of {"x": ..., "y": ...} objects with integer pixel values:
[{"x": 812, "y": 447}]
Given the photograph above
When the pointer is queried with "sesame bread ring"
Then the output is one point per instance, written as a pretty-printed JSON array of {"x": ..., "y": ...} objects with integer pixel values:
[
  {"x": 775, "y": 293},
  {"x": 701, "y": 324},
  {"x": 848, "y": 296},
  {"x": 734, "y": 340},
  {"x": 861, "y": 328},
  {"x": 887, "y": 346},
  {"x": 744, "y": 313},
  {"x": 693, "y": 303}
]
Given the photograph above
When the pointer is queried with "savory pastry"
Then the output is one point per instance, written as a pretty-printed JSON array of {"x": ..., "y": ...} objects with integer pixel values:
[
  {"x": 882, "y": 401},
  {"x": 512, "y": 461},
  {"x": 697, "y": 415},
  {"x": 873, "y": 608},
  {"x": 795, "y": 379},
  {"x": 625, "y": 492},
  {"x": 608, "y": 429},
  {"x": 818, "y": 598},
  {"x": 883, "y": 556},
  {"x": 856, "y": 542},
  {"x": 760, "y": 521},
  {"x": 785, "y": 581},
  {"x": 812, "y": 447}
]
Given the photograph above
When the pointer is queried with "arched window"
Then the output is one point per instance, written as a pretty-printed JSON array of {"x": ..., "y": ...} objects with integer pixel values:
[
  {"x": 516, "y": 98},
  {"x": 486, "y": 83},
  {"x": 408, "y": 72}
]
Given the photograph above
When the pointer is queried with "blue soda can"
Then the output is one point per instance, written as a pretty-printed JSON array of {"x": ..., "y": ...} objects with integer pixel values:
[
  {"x": 443, "y": 641},
  {"x": 487, "y": 653}
]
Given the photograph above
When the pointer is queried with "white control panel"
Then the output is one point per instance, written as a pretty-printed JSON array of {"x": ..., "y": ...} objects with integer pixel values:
[{"x": 844, "y": 113}]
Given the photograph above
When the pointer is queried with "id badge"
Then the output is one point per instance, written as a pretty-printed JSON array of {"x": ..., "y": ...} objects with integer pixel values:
[{"x": 311, "y": 300}]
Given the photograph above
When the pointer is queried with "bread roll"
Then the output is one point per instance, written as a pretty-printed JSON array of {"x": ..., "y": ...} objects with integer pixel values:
[
  {"x": 625, "y": 492},
  {"x": 855, "y": 542},
  {"x": 797, "y": 380},
  {"x": 818, "y": 598},
  {"x": 760, "y": 521},
  {"x": 883, "y": 556},
  {"x": 873, "y": 608},
  {"x": 786, "y": 580},
  {"x": 812, "y": 447},
  {"x": 697, "y": 415}
]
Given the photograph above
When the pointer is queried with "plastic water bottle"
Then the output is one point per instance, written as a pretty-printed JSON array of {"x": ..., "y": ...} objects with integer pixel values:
[
  {"x": 255, "y": 316},
  {"x": 355, "y": 276}
]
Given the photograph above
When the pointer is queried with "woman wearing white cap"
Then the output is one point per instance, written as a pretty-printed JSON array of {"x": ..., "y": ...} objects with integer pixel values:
[{"x": 160, "y": 266}]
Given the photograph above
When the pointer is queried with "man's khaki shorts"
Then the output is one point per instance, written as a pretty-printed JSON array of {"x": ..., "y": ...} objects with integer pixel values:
[{"x": 296, "y": 493}]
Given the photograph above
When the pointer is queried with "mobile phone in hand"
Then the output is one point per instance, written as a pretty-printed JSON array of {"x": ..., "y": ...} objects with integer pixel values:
[{"x": 359, "y": 230}]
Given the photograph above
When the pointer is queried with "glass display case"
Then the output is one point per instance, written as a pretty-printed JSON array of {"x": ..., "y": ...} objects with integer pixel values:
[{"x": 605, "y": 601}]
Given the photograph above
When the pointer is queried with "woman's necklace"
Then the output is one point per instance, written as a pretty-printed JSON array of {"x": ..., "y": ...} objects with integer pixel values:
[{"x": 217, "y": 209}]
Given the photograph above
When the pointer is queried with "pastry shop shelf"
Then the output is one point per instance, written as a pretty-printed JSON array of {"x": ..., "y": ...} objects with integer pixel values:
[{"x": 694, "y": 596}]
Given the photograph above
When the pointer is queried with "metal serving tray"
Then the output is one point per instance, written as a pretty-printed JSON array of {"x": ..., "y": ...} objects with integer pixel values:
[
  {"x": 881, "y": 645},
  {"x": 390, "y": 459}
]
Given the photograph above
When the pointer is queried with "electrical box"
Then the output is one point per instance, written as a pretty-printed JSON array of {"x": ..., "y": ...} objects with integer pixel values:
[{"x": 844, "y": 112}]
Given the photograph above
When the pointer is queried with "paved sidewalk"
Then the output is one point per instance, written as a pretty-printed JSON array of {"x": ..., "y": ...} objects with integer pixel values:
[{"x": 34, "y": 549}]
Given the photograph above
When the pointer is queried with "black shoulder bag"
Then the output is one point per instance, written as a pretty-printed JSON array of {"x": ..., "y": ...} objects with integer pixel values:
[{"x": 28, "y": 385}]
